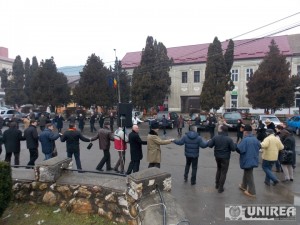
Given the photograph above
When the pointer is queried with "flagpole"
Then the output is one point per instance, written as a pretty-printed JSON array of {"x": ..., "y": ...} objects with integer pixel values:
[{"x": 118, "y": 75}]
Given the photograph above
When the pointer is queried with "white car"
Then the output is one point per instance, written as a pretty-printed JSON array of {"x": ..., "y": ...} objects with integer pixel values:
[{"x": 263, "y": 118}]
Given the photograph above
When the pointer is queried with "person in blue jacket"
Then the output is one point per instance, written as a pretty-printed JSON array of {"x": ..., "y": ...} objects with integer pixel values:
[
  {"x": 248, "y": 149},
  {"x": 192, "y": 142},
  {"x": 47, "y": 139}
]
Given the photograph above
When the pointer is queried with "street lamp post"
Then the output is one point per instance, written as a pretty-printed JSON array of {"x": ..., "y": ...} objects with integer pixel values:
[{"x": 118, "y": 76}]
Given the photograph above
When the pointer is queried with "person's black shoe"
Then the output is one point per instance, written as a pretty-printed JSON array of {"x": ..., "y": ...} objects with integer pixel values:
[
  {"x": 217, "y": 186},
  {"x": 220, "y": 190},
  {"x": 292, "y": 179},
  {"x": 116, "y": 170},
  {"x": 101, "y": 170},
  {"x": 193, "y": 182},
  {"x": 275, "y": 182},
  {"x": 185, "y": 179}
]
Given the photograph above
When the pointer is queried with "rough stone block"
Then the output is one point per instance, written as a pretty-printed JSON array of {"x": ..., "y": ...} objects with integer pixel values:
[
  {"x": 50, "y": 170},
  {"x": 145, "y": 182}
]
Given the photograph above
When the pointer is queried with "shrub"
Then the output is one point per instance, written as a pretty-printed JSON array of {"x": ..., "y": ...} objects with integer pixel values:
[{"x": 5, "y": 186}]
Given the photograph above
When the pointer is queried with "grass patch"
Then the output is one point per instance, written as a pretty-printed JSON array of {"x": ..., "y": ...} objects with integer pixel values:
[{"x": 27, "y": 214}]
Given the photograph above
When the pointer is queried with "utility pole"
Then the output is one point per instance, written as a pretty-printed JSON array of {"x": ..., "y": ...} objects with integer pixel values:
[{"x": 118, "y": 76}]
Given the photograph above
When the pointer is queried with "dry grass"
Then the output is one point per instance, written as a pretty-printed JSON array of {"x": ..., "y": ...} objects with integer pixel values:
[{"x": 26, "y": 214}]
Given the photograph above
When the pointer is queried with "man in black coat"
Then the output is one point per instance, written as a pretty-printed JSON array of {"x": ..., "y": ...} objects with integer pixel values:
[
  {"x": 135, "y": 150},
  {"x": 32, "y": 142},
  {"x": 12, "y": 141},
  {"x": 92, "y": 122},
  {"x": 223, "y": 146},
  {"x": 72, "y": 136},
  {"x": 101, "y": 119}
]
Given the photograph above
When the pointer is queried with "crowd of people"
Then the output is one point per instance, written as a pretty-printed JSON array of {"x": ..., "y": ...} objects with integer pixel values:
[{"x": 276, "y": 144}]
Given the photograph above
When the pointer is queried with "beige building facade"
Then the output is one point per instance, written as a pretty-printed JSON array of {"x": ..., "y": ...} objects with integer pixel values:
[{"x": 188, "y": 72}]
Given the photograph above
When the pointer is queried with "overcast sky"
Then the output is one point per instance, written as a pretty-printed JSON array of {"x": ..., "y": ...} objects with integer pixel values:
[{"x": 71, "y": 30}]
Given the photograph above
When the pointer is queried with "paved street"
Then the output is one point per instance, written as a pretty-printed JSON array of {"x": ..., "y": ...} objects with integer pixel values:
[{"x": 201, "y": 202}]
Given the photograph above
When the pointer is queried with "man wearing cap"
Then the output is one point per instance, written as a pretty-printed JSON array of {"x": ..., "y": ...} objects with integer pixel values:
[
  {"x": 270, "y": 150},
  {"x": 248, "y": 149},
  {"x": 192, "y": 143},
  {"x": 104, "y": 136},
  {"x": 153, "y": 147},
  {"x": 270, "y": 124}
]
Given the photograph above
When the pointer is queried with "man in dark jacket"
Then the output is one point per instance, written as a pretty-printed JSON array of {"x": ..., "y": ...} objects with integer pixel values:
[
  {"x": 42, "y": 121},
  {"x": 136, "y": 152},
  {"x": 92, "y": 122},
  {"x": 248, "y": 149},
  {"x": 12, "y": 141},
  {"x": 211, "y": 120},
  {"x": 101, "y": 119},
  {"x": 59, "y": 120},
  {"x": 72, "y": 137},
  {"x": 105, "y": 136},
  {"x": 223, "y": 146},
  {"x": 192, "y": 142},
  {"x": 32, "y": 142},
  {"x": 47, "y": 139}
]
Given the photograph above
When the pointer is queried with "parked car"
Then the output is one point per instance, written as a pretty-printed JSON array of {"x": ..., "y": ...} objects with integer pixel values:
[
  {"x": 263, "y": 118},
  {"x": 7, "y": 115},
  {"x": 294, "y": 124},
  {"x": 38, "y": 114},
  {"x": 202, "y": 126},
  {"x": 170, "y": 116},
  {"x": 232, "y": 118}
]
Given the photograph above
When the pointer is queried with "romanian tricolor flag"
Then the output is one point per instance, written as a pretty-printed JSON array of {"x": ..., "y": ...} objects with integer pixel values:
[{"x": 115, "y": 83}]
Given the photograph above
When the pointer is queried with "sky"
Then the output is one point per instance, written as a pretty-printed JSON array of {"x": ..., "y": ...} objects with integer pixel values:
[{"x": 72, "y": 30}]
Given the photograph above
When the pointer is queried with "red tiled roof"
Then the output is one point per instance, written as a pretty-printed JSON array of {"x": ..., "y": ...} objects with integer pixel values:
[
  {"x": 244, "y": 49},
  {"x": 6, "y": 59}
]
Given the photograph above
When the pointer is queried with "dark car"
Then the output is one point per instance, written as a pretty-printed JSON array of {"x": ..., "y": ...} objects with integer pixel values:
[
  {"x": 201, "y": 125},
  {"x": 37, "y": 115},
  {"x": 232, "y": 118},
  {"x": 171, "y": 117}
]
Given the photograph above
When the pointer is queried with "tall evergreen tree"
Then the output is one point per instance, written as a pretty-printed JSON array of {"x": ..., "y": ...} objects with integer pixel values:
[
  {"x": 150, "y": 80},
  {"x": 4, "y": 78},
  {"x": 93, "y": 87},
  {"x": 14, "y": 90},
  {"x": 27, "y": 79},
  {"x": 124, "y": 84},
  {"x": 217, "y": 76},
  {"x": 49, "y": 87},
  {"x": 270, "y": 87}
]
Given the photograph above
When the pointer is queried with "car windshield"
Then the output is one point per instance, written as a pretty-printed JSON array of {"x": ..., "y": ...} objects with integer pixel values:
[
  {"x": 232, "y": 116},
  {"x": 273, "y": 119}
]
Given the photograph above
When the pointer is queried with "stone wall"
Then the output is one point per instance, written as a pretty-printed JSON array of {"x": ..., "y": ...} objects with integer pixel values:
[{"x": 117, "y": 198}]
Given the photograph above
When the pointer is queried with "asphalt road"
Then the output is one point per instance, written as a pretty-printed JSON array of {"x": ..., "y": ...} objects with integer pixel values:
[{"x": 202, "y": 203}]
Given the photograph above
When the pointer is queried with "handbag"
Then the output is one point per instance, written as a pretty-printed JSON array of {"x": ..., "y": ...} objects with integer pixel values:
[
  {"x": 54, "y": 152},
  {"x": 89, "y": 146},
  {"x": 286, "y": 157}
]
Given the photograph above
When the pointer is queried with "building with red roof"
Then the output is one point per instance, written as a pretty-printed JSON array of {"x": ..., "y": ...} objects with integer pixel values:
[{"x": 187, "y": 72}]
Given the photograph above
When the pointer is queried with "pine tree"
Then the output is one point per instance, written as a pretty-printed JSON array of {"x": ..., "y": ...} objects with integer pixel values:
[
  {"x": 14, "y": 90},
  {"x": 49, "y": 87},
  {"x": 124, "y": 84},
  {"x": 93, "y": 87},
  {"x": 270, "y": 87},
  {"x": 150, "y": 80},
  {"x": 4, "y": 78},
  {"x": 217, "y": 76},
  {"x": 27, "y": 79}
]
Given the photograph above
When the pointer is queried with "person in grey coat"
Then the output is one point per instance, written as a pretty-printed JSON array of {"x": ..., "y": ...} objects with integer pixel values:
[{"x": 192, "y": 142}]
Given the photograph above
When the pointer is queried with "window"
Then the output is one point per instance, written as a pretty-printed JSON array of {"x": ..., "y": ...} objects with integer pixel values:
[
  {"x": 249, "y": 73},
  {"x": 234, "y": 75},
  {"x": 298, "y": 70},
  {"x": 234, "y": 101},
  {"x": 184, "y": 77},
  {"x": 196, "y": 76}
]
